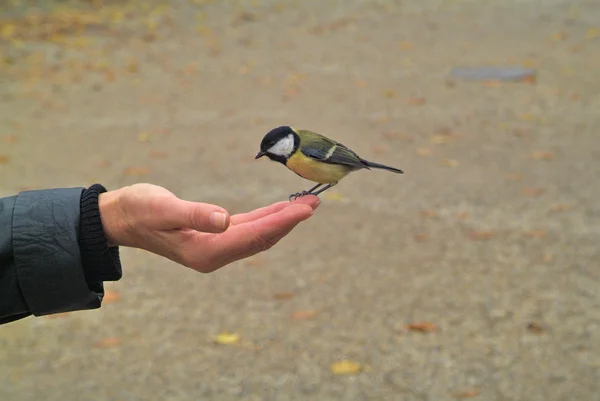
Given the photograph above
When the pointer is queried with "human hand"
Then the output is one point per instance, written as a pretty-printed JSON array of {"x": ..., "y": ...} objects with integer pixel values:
[{"x": 197, "y": 235}]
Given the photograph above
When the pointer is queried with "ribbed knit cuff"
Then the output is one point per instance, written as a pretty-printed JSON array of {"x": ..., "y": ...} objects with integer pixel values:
[{"x": 100, "y": 262}]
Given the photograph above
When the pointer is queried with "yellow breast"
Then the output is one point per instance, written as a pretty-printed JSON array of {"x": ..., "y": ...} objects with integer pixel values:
[{"x": 322, "y": 173}]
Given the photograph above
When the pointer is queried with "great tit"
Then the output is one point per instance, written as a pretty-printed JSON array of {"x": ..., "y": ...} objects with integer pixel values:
[{"x": 314, "y": 157}]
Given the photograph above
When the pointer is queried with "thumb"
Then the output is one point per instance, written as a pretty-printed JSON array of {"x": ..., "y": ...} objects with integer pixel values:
[{"x": 197, "y": 216}]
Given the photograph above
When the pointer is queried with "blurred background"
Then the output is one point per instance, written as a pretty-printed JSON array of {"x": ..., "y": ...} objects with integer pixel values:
[{"x": 473, "y": 276}]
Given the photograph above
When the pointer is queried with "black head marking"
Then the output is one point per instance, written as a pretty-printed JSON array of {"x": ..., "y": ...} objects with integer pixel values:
[{"x": 274, "y": 136}]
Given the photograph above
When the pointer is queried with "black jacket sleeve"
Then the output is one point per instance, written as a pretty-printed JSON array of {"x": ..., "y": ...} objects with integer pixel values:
[{"x": 53, "y": 253}]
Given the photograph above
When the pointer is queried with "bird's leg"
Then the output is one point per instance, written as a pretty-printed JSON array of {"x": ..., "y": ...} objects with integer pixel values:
[
  {"x": 300, "y": 194},
  {"x": 324, "y": 189}
]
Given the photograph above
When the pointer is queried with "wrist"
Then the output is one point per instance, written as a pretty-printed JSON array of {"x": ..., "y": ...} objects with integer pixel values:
[{"x": 112, "y": 216}]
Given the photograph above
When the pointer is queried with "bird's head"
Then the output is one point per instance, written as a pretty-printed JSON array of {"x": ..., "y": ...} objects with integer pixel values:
[{"x": 279, "y": 144}]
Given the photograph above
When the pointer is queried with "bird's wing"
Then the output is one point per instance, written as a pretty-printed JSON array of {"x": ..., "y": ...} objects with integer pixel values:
[{"x": 321, "y": 148}]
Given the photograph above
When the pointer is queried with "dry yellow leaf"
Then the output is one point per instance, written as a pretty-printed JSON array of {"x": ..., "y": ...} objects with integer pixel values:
[
  {"x": 136, "y": 171},
  {"x": 533, "y": 192},
  {"x": 439, "y": 139},
  {"x": 304, "y": 314},
  {"x": 422, "y": 327},
  {"x": 541, "y": 155},
  {"x": 535, "y": 233},
  {"x": 143, "y": 137},
  {"x": 7, "y": 31},
  {"x": 450, "y": 163},
  {"x": 405, "y": 45},
  {"x": 559, "y": 36},
  {"x": 416, "y": 101},
  {"x": 333, "y": 196},
  {"x": 561, "y": 207},
  {"x": 158, "y": 155},
  {"x": 345, "y": 367},
  {"x": 283, "y": 295},
  {"x": 593, "y": 33},
  {"x": 481, "y": 235},
  {"x": 3, "y": 159},
  {"x": 227, "y": 338},
  {"x": 461, "y": 215},
  {"x": 424, "y": 152},
  {"x": 133, "y": 67},
  {"x": 515, "y": 176},
  {"x": 108, "y": 342},
  {"x": 360, "y": 83},
  {"x": 389, "y": 94},
  {"x": 428, "y": 214},
  {"x": 420, "y": 237}
]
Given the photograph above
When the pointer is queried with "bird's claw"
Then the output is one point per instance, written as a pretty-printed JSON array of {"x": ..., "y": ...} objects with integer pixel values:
[{"x": 297, "y": 195}]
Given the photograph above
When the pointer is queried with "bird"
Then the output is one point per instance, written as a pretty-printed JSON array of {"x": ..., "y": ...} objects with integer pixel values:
[{"x": 313, "y": 157}]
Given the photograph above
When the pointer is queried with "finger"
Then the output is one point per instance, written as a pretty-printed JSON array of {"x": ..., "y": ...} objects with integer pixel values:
[
  {"x": 259, "y": 235},
  {"x": 311, "y": 200},
  {"x": 242, "y": 218},
  {"x": 258, "y": 213},
  {"x": 178, "y": 213}
]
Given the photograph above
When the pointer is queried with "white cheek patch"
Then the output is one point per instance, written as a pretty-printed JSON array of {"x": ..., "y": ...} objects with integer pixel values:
[{"x": 284, "y": 147}]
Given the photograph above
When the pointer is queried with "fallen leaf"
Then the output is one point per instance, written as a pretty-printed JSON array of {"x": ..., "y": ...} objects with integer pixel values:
[
  {"x": 428, "y": 214},
  {"x": 389, "y": 94},
  {"x": 535, "y": 233},
  {"x": 533, "y": 192},
  {"x": 304, "y": 314},
  {"x": 227, "y": 338},
  {"x": 333, "y": 196},
  {"x": 108, "y": 342},
  {"x": 158, "y": 155},
  {"x": 379, "y": 149},
  {"x": 416, "y": 101},
  {"x": 424, "y": 152},
  {"x": 404, "y": 45},
  {"x": 3, "y": 159},
  {"x": 547, "y": 257},
  {"x": 10, "y": 139},
  {"x": 561, "y": 207},
  {"x": 469, "y": 393},
  {"x": 439, "y": 139},
  {"x": 136, "y": 171},
  {"x": 560, "y": 36},
  {"x": 360, "y": 83},
  {"x": 420, "y": 237},
  {"x": 461, "y": 215},
  {"x": 593, "y": 33},
  {"x": 536, "y": 327},
  {"x": 422, "y": 327},
  {"x": 111, "y": 297},
  {"x": 481, "y": 235},
  {"x": 390, "y": 135},
  {"x": 345, "y": 367},
  {"x": 514, "y": 176},
  {"x": 450, "y": 163},
  {"x": 143, "y": 137},
  {"x": 541, "y": 155},
  {"x": 283, "y": 295}
]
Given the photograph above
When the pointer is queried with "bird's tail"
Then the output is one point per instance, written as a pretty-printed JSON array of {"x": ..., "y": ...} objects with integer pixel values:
[{"x": 381, "y": 166}]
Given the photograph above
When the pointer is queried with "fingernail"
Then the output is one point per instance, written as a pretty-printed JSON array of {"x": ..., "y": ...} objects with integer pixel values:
[{"x": 217, "y": 219}]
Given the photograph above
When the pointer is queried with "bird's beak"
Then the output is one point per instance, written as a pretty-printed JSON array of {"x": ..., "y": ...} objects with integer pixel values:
[{"x": 259, "y": 155}]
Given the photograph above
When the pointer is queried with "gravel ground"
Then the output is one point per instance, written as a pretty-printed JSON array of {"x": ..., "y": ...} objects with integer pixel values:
[{"x": 488, "y": 243}]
